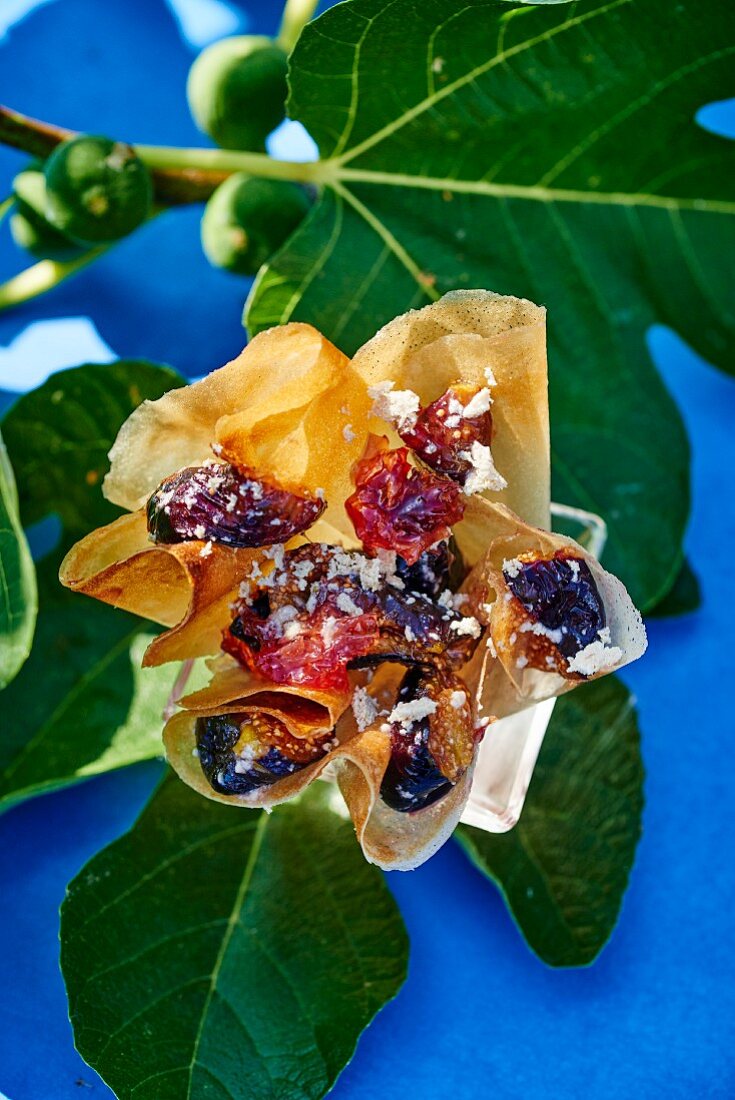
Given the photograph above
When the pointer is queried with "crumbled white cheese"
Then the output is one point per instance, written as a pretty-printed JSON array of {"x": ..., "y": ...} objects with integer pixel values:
[
  {"x": 512, "y": 567},
  {"x": 483, "y": 474},
  {"x": 491, "y": 646},
  {"x": 521, "y": 662},
  {"x": 248, "y": 755},
  {"x": 231, "y": 502},
  {"x": 278, "y": 619},
  {"x": 348, "y": 433},
  {"x": 217, "y": 448},
  {"x": 320, "y": 493},
  {"x": 364, "y": 708},
  {"x": 598, "y": 656},
  {"x": 574, "y": 566},
  {"x": 399, "y": 407},
  {"x": 347, "y": 604},
  {"x": 200, "y": 531},
  {"x": 554, "y": 636},
  {"x": 371, "y": 571},
  {"x": 206, "y": 550},
  {"x": 467, "y": 625},
  {"x": 478, "y": 405},
  {"x": 490, "y": 377},
  {"x": 458, "y": 699},
  {"x": 302, "y": 569},
  {"x": 214, "y": 482},
  {"x": 277, "y": 554},
  {"x": 405, "y": 714}
]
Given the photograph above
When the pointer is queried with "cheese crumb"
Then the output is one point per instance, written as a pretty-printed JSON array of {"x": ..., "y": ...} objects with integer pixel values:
[
  {"x": 490, "y": 377},
  {"x": 399, "y": 407},
  {"x": 478, "y": 405},
  {"x": 542, "y": 631},
  {"x": 511, "y": 567},
  {"x": 458, "y": 699},
  {"x": 483, "y": 474},
  {"x": 406, "y": 714},
  {"x": 467, "y": 625},
  {"x": 200, "y": 531},
  {"x": 364, "y": 708},
  {"x": 598, "y": 656},
  {"x": 348, "y": 433},
  {"x": 206, "y": 550},
  {"x": 347, "y": 604}
]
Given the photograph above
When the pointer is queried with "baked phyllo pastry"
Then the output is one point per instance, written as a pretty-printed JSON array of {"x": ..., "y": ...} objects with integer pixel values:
[{"x": 361, "y": 550}]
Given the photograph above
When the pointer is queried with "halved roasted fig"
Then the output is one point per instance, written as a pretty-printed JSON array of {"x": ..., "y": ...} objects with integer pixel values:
[
  {"x": 397, "y": 506},
  {"x": 240, "y": 753},
  {"x": 323, "y": 610},
  {"x": 561, "y": 611},
  {"x": 227, "y": 505},
  {"x": 432, "y": 740}
]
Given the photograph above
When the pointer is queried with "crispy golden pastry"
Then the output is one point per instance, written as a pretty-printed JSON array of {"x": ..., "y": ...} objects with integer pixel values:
[{"x": 360, "y": 548}]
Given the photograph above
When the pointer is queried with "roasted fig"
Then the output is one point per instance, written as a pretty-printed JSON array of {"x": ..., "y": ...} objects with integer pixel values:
[
  {"x": 241, "y": 752},
  {"x": 432, "y": 740},
  {"x": 322, "y": 610},
  {"x": 220, "y": 503},
  {"x": 397, "y": 506},
  {"x": 563, "y": 606}
]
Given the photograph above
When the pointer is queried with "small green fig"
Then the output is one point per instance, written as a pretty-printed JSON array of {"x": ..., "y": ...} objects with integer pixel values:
[
  {"x": 246, "y": 220},
  {"x": 98, "y": 189},
  {"x": 237, "y": 91},
  {"x": 29, "y": 227}
]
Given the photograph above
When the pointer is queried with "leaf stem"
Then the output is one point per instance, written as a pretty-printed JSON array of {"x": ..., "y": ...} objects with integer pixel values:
[
  {"x": 224, "y": 162},
  {"x": 5, "y": 206},
  {"x": 296, "y": 14},
  {"x": 43, "y": 276}
]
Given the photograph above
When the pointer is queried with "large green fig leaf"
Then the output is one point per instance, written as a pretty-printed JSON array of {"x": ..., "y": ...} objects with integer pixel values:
[
  {"x": 546, "y": 151},
  {"x": 18, "y": 596},
  {"x": 81, "y": 704},
  {"x": 564, "y": 868},
  {"x": 221, "y": 952},
  {"x": 58, "y": 437}
]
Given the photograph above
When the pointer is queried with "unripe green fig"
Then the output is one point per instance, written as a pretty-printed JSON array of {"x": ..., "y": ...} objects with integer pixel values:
[
  {"x": 237, "y": 91},
  {"x": 98, "y": 189},
  {"x": 29, "y": 227},
  {"x": 246, "y": 220}
]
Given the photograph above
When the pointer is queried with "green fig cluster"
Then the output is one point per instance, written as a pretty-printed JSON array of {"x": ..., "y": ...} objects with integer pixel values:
[
  {"x": 237, "y": 91},
  {"x": 97, "y": 190},
  {"x": 246, "y": 220},
  {"x": 29, "y": 225}
]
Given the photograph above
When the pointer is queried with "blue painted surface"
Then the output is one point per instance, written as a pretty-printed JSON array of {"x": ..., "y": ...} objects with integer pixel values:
[{"x": 479, "y": 1016}]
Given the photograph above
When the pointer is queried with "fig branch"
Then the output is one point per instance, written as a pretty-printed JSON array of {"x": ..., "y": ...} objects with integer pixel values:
[{"x": 88, "y": 191}]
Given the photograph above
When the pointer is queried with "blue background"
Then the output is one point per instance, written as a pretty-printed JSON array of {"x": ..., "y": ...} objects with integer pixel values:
[{"x": 479, "y": 1015}]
